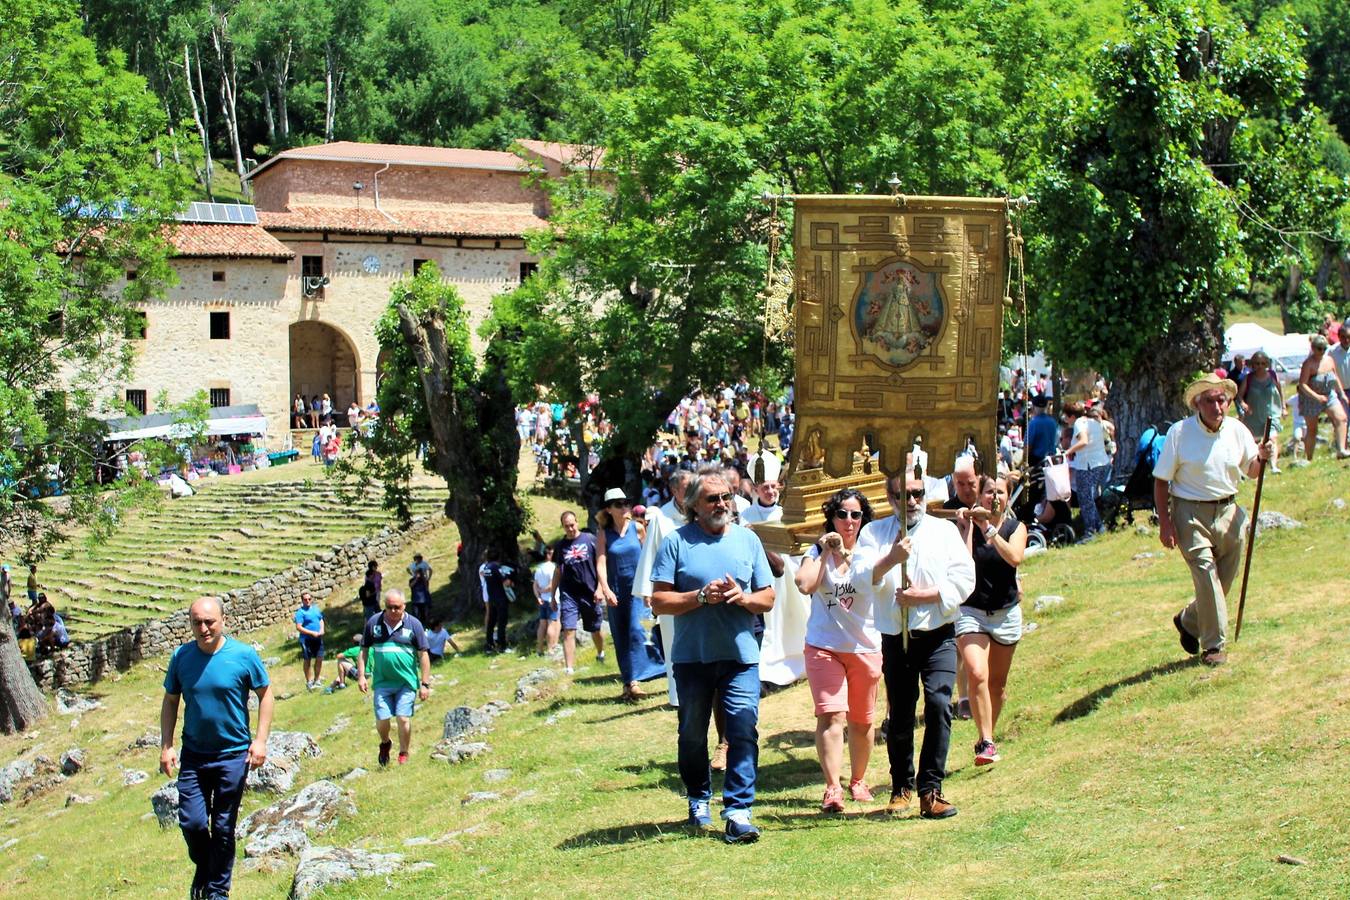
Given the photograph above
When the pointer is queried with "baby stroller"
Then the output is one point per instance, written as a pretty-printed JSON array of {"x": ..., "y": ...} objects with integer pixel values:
[
  {"x": 1123, "y": 496},
  {"x": 1049, "y": 522}
]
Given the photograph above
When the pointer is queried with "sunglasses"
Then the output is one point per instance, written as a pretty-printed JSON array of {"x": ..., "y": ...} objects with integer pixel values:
[
  {"x": 849, "y": 514},
  {"x": 623, "y": 503},
  {"x": 718, "y": 498},
  {"x": 916, "y": 494}
]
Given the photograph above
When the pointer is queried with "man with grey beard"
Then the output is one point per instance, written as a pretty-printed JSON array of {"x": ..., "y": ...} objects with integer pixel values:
[
  {"x": 713, "y": 577},
  {"x": 921, "y": 575}
]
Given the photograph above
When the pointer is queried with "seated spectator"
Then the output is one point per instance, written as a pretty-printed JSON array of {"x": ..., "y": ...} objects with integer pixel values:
[
  {"x": 346, "y": 665},
  {"x": 437, "y": 638},
  {"x": 53, "y": 635}
]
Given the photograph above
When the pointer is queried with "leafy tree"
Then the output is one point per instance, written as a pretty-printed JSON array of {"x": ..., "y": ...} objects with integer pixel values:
[
  {"x": 77, "y": 142},
  {"x": 435, "y": 395},
  {"x": 1154, "y": 196},
  {"x": 652, "y": 276}
]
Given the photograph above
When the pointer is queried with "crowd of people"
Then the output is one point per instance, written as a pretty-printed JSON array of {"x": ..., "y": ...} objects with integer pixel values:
[{"x": 39, "y": 629}]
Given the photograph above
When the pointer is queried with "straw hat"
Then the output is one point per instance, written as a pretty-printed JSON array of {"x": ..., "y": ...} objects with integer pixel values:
[{"x": 1208, "y": 382}]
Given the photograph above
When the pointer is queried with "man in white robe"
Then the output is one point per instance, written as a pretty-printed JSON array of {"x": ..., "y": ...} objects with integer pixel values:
[{"x": 661, "y": 521}]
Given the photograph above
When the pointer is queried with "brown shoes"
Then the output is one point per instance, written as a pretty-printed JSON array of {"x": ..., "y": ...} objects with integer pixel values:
[
  {"x": 1215, "y": 657},
  {"x": 900, "y": 802},
  {"x": 719, "y": 758},
  {"x": 1189, "y": 642},
  {"x": 932, "y": 805}
]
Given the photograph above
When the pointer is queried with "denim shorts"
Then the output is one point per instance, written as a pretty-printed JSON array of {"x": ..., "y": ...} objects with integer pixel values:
[
  {"x": 549, "y": 613},
  {"x": 1004, "y": 626},
  {"x": 395, "y": 701}
]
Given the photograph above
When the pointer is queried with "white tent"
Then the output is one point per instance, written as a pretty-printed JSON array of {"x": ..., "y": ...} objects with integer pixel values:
[
  {"x": 1287, "y": 351},
  {"x": 240, "y": 419}
]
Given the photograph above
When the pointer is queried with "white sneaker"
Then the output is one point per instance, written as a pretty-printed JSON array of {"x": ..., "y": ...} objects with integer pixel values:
[
  {"x": 600, "y": 657},
  {"x": 569, "y": 671}
]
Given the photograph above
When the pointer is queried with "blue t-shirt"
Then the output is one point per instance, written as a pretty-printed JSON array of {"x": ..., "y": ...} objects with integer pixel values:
[
  {"x": 690, "y": 558},
  {"x": 214, "y": 688},
  {"x": 1042, "y": 437},
  {"x": 576, "y": 557},
  {"x": 309, "y": 618}
]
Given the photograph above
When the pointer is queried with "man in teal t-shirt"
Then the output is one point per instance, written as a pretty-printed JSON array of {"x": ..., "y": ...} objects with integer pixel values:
[
  {"x": 212, "y": 676},
  {"x": 713, "y": 577}
]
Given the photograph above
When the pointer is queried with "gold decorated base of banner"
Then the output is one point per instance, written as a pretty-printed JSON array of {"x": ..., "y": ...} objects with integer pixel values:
[{"x": 803, "y": 522}]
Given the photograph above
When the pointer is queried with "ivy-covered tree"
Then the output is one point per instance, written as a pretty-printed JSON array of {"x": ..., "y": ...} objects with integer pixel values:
[
  {"x": 81, "y": 201},
  {"x": 436, "y": 398},
  {"x": 1151, "y": 199}
]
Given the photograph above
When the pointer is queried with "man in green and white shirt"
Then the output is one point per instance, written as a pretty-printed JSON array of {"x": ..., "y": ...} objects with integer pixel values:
[{"x": 394, "y": 649}]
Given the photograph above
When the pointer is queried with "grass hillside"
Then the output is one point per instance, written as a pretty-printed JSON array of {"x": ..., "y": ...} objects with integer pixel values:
[
  {"x": 1127, "y": 768},
  {"x": 233, "y": 531}
]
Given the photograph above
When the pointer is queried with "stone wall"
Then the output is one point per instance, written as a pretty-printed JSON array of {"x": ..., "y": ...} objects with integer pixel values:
[
  {"x": 265, "y": 602},
  {"x": 292, "y": 183}
]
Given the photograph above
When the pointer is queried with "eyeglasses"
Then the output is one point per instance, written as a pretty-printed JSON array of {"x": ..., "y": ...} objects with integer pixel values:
[
  {"x": 718, "y": 498},
  {"x": 848, "y": 514}
]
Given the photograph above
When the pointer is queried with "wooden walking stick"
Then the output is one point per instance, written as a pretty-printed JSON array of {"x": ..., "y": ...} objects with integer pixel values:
[{"x": 1251, "y": 536}]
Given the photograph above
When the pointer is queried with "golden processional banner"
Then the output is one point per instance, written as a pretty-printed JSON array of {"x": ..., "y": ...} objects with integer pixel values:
[{"x": 899, "y": 329}]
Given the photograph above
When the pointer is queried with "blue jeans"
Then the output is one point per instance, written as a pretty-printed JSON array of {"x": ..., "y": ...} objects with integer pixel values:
[
  {"x": 736, "y": 684},
  {"x": 209, "y": 791}
]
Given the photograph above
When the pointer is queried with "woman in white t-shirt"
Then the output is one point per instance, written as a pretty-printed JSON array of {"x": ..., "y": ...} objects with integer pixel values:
[
  {"x": 843, "y": 648},
  {"x": 1088, "y": 464},
  {"x": 548, "y": 605}
]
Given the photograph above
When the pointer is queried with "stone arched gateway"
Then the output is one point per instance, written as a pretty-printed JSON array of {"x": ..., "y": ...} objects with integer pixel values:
[{"x": 324, "y": 361}]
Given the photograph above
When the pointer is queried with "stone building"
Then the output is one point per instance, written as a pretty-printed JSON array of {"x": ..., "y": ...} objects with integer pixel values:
[{"x": 282, "y": 298}]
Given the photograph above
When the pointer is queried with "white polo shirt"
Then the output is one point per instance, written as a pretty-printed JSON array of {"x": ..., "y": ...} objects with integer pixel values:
[{"x": 1203, "y": 464}]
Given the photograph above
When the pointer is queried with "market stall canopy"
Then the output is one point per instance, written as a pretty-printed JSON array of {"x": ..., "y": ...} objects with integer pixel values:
[{"x": 242, "y": 419}]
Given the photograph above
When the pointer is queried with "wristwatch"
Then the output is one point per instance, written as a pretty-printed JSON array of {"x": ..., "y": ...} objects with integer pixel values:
[
  {"x": 703, "y": 596},
  {"x": 427, "y": 685}
]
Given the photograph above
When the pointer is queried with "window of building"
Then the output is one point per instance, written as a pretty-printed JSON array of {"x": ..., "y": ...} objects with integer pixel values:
[
  {"x": 217, "y": 276},
  {"x": 136, "y": 400},
  {"x": 220, "y": 326},
  {"x": 527, "y": 269},
  {"x": 418, "y": 264},
  {"x": 135, "y": 327},
  {"x": 311, "y": 266},
  {"x": 220, "y": 397},
  {"x": 56, "y": 320}
]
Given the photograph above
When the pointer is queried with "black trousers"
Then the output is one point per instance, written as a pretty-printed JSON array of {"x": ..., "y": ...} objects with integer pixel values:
[
  {"x": 498, "y": 611},
  {"x": 931, "y": 661}
]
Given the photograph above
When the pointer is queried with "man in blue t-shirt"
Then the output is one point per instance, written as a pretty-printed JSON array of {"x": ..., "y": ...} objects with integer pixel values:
[
  {"x": 212, "y": 675},
  {"x": 574, "y": 587},
  {"x": 714, "y": 578},
  {"x": 494, "y": 579},
  {"x": 1042, "y": 433},
  {"x": 309, "y": 628}
]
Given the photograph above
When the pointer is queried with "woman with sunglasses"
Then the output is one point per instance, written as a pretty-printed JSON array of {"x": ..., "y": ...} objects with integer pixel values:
[
  {"x": 618, "y": 546},
  {"x": 990, "y": 624},
  {"x": 843, "y": 648}
]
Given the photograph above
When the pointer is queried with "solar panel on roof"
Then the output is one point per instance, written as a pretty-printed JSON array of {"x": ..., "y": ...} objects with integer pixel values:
[{"x": 220, "y": 213}]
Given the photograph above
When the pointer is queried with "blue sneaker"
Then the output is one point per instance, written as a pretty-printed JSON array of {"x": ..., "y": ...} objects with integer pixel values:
[
  {"x": 741, "y": 832},
  {"x": 700, "y": 815}
]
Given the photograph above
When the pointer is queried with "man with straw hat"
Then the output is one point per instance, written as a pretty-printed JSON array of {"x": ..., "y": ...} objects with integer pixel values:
[{"x": 1195, "y": 492}]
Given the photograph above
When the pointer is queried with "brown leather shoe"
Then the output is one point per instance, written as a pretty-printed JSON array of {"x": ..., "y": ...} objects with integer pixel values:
[
  {"x": 900, "y": 802},
  {"x": 932, "y": 805},
  {"x": 719, "y": 757},
  {"x": 1215, "y": 657}
]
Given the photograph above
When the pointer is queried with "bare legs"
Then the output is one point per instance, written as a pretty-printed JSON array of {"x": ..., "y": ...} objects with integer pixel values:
[
  {"x": 404, "y": 731},
  {"x": 830, "y": 747},
  {"x": 987, "y": 663}
]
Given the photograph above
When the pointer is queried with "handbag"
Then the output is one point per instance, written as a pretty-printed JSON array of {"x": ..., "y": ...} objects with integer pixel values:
[{"x": 1057, "y": 482}]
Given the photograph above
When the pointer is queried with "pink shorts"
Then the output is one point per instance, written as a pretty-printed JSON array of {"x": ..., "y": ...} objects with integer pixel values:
[{"x": 844, "y": 682}]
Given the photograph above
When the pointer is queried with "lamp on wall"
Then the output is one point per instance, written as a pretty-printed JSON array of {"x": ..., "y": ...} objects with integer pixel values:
[{"x": 358, "y": 187}]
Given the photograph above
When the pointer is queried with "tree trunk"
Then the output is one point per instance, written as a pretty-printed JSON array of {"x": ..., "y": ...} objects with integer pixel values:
[
  {"x": 198, "y": 116},
  {"x": 476, "y": 449},
  {"x": 1140, "y": 399},
  {"x": 1343, "y": 265},
  {"x": 283, "y": 78},
  {"x": 229, "y": 89},
  {"x": 1324, "y": 269},
  {"x": 331, "y": 79},
  {"x": 1291, "y": 297},
  {"x": 268, "y": 116},
  {"x": 21, "y": 703}
]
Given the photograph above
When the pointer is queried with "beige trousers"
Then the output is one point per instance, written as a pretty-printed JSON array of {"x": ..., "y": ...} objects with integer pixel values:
[{"x": 1210, "y": 537}]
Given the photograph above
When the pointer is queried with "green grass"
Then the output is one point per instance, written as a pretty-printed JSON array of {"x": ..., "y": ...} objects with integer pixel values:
[
  {"x": 1127, "y": 770},
  {"x": 1268, "y": 316},
  {"x": 195, "y": 544}
]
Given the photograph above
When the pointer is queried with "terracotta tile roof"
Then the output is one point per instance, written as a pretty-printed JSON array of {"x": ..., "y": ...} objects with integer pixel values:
[
  {"x": 192, "y": 239},
  {"x": 367, "y": 220},
  {"x": 569, "y": 156},
  {"x": 400, "y": 154}
]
